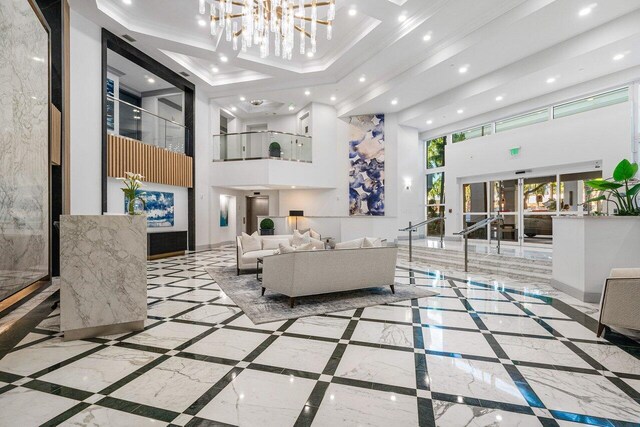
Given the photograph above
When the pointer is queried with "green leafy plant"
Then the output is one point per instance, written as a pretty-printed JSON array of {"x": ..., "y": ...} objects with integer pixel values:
[
  {"x": 267, "y": 224},
  {"x": 274, "y": 149},
  {"x": 132, "y": 183},
  {"x": 620, "y": 189}
]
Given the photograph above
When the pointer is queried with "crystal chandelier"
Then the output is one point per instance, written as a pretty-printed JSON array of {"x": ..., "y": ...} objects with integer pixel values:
[{"x": 256, "y": 22}]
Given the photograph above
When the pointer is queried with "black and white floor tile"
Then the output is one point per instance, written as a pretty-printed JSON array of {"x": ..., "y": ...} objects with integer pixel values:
[{"x": 478, "y": 354}]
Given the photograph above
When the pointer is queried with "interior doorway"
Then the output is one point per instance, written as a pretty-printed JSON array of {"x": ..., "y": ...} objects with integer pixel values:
[{"x": 256, "y": 206}]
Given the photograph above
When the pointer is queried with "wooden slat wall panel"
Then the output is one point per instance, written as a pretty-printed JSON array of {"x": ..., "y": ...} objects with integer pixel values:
[
  {"x": 156, "y": 164},
  {"x": 56, "y": 136}
]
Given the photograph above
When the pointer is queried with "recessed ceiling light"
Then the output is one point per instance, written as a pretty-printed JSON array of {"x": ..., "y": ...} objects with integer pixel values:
[
  {"x": 310, "y": 54},
  {"x": 224, "y": 58},
  {"x": 499, "y": 98},
  {"x": 353, "y": 11},
  {"x": 333, "y": 97},
  {"x": 150, "y": 80},
  {"x": 242, "y": 98},
  {"x": 307, "y": 92},
  {"x": 363, "y": 79},
  {"x": 202, "y": 22},
  {"x": 460, "y": 111},
  {"x": 587, "y": 10},
  {"x": 38, "y": 59},
  {"x": 293, "y": 186},
  {"x": 234, "y": 109},
  {"x": 429, "y": 122},
  {"x": 618, "y": 57},
  {"x": 402, "y": 17},
  {"x": 215, "y": 69},
  {"x": 394, "y": 101},
  {"x": 427, "y": 37},
  {"x": 126, "y": 1},
  {"x": 292, "y": 107},
  {"x": 551, "y": 80},
  {"x": 463, "y": 69}
]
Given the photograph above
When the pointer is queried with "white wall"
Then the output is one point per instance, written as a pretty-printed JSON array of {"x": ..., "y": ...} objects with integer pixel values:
[
  {"x": 86, "y": 116},
  {"x": 562, "y": 145},
  {"x": 205, "y": 121}
]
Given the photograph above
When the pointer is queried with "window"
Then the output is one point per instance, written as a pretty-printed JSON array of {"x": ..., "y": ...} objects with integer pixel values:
[
  {"x": 435, "y": 152},
  {"x": 591, "y": 103},
  {"x": 473, "y": 133},
  {"x": 435, "y": 201},
  {"x": 523, "y": 120}
]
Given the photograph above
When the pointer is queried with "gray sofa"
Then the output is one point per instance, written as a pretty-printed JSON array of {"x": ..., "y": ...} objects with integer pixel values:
[
  {"x": 620, "y": 301},
  {"x": 305, "y": 273}
]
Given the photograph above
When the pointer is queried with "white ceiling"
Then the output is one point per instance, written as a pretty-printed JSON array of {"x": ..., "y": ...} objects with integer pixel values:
[{"x": 511, "y": 48}]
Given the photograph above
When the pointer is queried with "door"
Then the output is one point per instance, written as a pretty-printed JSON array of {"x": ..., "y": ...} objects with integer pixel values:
[{"x": 256, "y": 206}]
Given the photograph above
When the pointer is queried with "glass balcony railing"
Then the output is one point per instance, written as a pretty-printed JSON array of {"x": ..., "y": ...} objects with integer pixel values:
[
  {"x": 262, "y": 145},
  {"x": 131, "y": 121}
]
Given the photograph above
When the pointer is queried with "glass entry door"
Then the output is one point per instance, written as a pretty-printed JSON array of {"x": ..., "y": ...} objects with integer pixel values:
[{"x": 528, "y": 205}]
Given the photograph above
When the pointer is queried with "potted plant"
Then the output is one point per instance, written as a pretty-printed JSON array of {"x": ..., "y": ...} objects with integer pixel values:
[
  {"x": 618, "y": 190},
  {"x": 135, "y": 204},
  {"x": 267, "y": 227},
  {"x": 274, "y": 149}
]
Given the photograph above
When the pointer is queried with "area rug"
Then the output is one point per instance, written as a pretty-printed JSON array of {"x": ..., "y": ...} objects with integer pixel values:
[{"x": 244, "y": 291}]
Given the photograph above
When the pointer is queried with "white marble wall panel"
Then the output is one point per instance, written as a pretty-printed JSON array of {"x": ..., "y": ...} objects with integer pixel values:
[
  {"x": 24, "y": 147},
  {"x": 103, "y": 270}
]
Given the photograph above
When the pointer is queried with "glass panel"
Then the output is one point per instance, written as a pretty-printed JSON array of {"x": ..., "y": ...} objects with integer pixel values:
[
  {"x": 262, "y": 145},
  {"x": 573, "y": 193},
  {"x": 539, "y": 194},
  {"x": 435, "y": 188},
  {"x": 509, "y": 228},
  {"x": 504, "y": 196},
  {"x": 523, "y": 120},
  {"x": 473, "y": 133},
  {"x": 475, "y": 197},
  {"x": 470, "y": 220},
  {"x": 434, "y": 227},
  {"x": 435, "y": 152},
  {"x": 591, "y": 103}
]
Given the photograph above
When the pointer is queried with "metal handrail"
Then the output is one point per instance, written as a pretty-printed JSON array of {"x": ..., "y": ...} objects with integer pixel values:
[
  {"x": 478, "y": 225},
  {"x": 413, "y": 228},
  {"x": 112, "y": 98},
  {"x": 277, "y": 132}
]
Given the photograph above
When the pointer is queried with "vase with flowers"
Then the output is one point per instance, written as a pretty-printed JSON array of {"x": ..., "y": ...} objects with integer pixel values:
[{"x": 133, "y": 182}]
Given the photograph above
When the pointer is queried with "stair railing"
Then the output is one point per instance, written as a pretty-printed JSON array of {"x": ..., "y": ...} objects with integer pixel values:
[
  {"x": 412, "y": 228},
  {"x": 477, "y": 226}
]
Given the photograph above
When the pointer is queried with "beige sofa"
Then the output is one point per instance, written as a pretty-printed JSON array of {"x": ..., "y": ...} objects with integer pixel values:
[
  {"x": 319, "y": 272},
  {"x": 620, "y": 303},
  {"x": 246, "y": 260}
]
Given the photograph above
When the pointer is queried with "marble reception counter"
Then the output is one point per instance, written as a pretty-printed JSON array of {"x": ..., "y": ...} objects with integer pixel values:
[{"x": 103, "y": 274}]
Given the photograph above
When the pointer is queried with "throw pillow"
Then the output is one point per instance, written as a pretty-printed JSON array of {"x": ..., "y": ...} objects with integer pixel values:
[
  {"x": 250, "y": 243},
  {"x": 300, "y": 239},
  {"x": 314, "y": 234},
  {"x": 273, "y": 243},
  {"x": 286, "y": 249},
  {"x": 317, "y": 244},
  {"x": 372, "y": 242},
  {"x": 351, "y": 244},
  {"x": 306, "y": 247}
]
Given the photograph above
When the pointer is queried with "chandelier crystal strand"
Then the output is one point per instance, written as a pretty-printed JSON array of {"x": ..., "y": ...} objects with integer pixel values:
[{"x": 253, "y": 21}]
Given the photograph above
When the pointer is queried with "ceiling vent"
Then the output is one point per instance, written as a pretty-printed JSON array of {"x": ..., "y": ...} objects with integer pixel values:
[
  {"x": 128, "y": 38},
  {"x": 185, "y": 74}
]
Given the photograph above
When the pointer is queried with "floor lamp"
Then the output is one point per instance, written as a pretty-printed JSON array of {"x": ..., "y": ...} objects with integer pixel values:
[{"x": 296, "y": 214}]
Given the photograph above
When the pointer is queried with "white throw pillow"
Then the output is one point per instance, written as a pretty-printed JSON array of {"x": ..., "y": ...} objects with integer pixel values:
[
  {"x": 317, "y": 244},
  {"x": 351, "y": 244},
  {"x": 372, "y": 242},
  {"x": 314, "y": 234},
  {"x": 250, "y": 243},
  {"x": 300, "y": 239},
  {"x": 273, "y": 243},
  {"x": 285, "y": 249},
  {"x": 306, "y": 247}
]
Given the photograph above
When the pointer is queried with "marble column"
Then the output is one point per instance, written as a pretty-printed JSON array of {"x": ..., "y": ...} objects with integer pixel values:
[{"x": 103, "y": 274}]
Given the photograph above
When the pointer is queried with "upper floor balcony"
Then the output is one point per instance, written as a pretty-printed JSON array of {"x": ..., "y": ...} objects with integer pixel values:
[{"x": 262, "y": 145}]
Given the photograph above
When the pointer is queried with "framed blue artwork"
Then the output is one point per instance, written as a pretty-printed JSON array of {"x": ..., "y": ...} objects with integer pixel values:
[
  {"x": 159, "y": 207},
  {"x": 366, "y": 165}
]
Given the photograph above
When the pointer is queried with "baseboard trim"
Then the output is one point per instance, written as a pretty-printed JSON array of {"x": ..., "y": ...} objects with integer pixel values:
[
  {"x": 15, "y": 300},
  {"x": 167, "y": 255},
  {"x": 591, "y": 297},
  {"x": 100, "y": 331}
]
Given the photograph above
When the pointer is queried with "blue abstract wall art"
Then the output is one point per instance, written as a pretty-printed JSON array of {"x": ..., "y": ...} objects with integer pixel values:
[
  {"x": 224, "y": 210},
  {"x": 366, "y": 165},
  {"x": 159, "y": 207}
]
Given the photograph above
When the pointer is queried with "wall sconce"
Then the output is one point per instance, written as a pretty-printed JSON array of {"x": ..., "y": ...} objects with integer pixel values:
[{"x": 407, "y": 184}]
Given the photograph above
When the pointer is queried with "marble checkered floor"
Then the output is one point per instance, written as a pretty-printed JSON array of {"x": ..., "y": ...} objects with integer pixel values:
[{"x": 478, "y": 354}]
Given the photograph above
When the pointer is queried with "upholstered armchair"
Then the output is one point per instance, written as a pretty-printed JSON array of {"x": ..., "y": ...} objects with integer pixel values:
[{"x": 620, "y": 303}]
